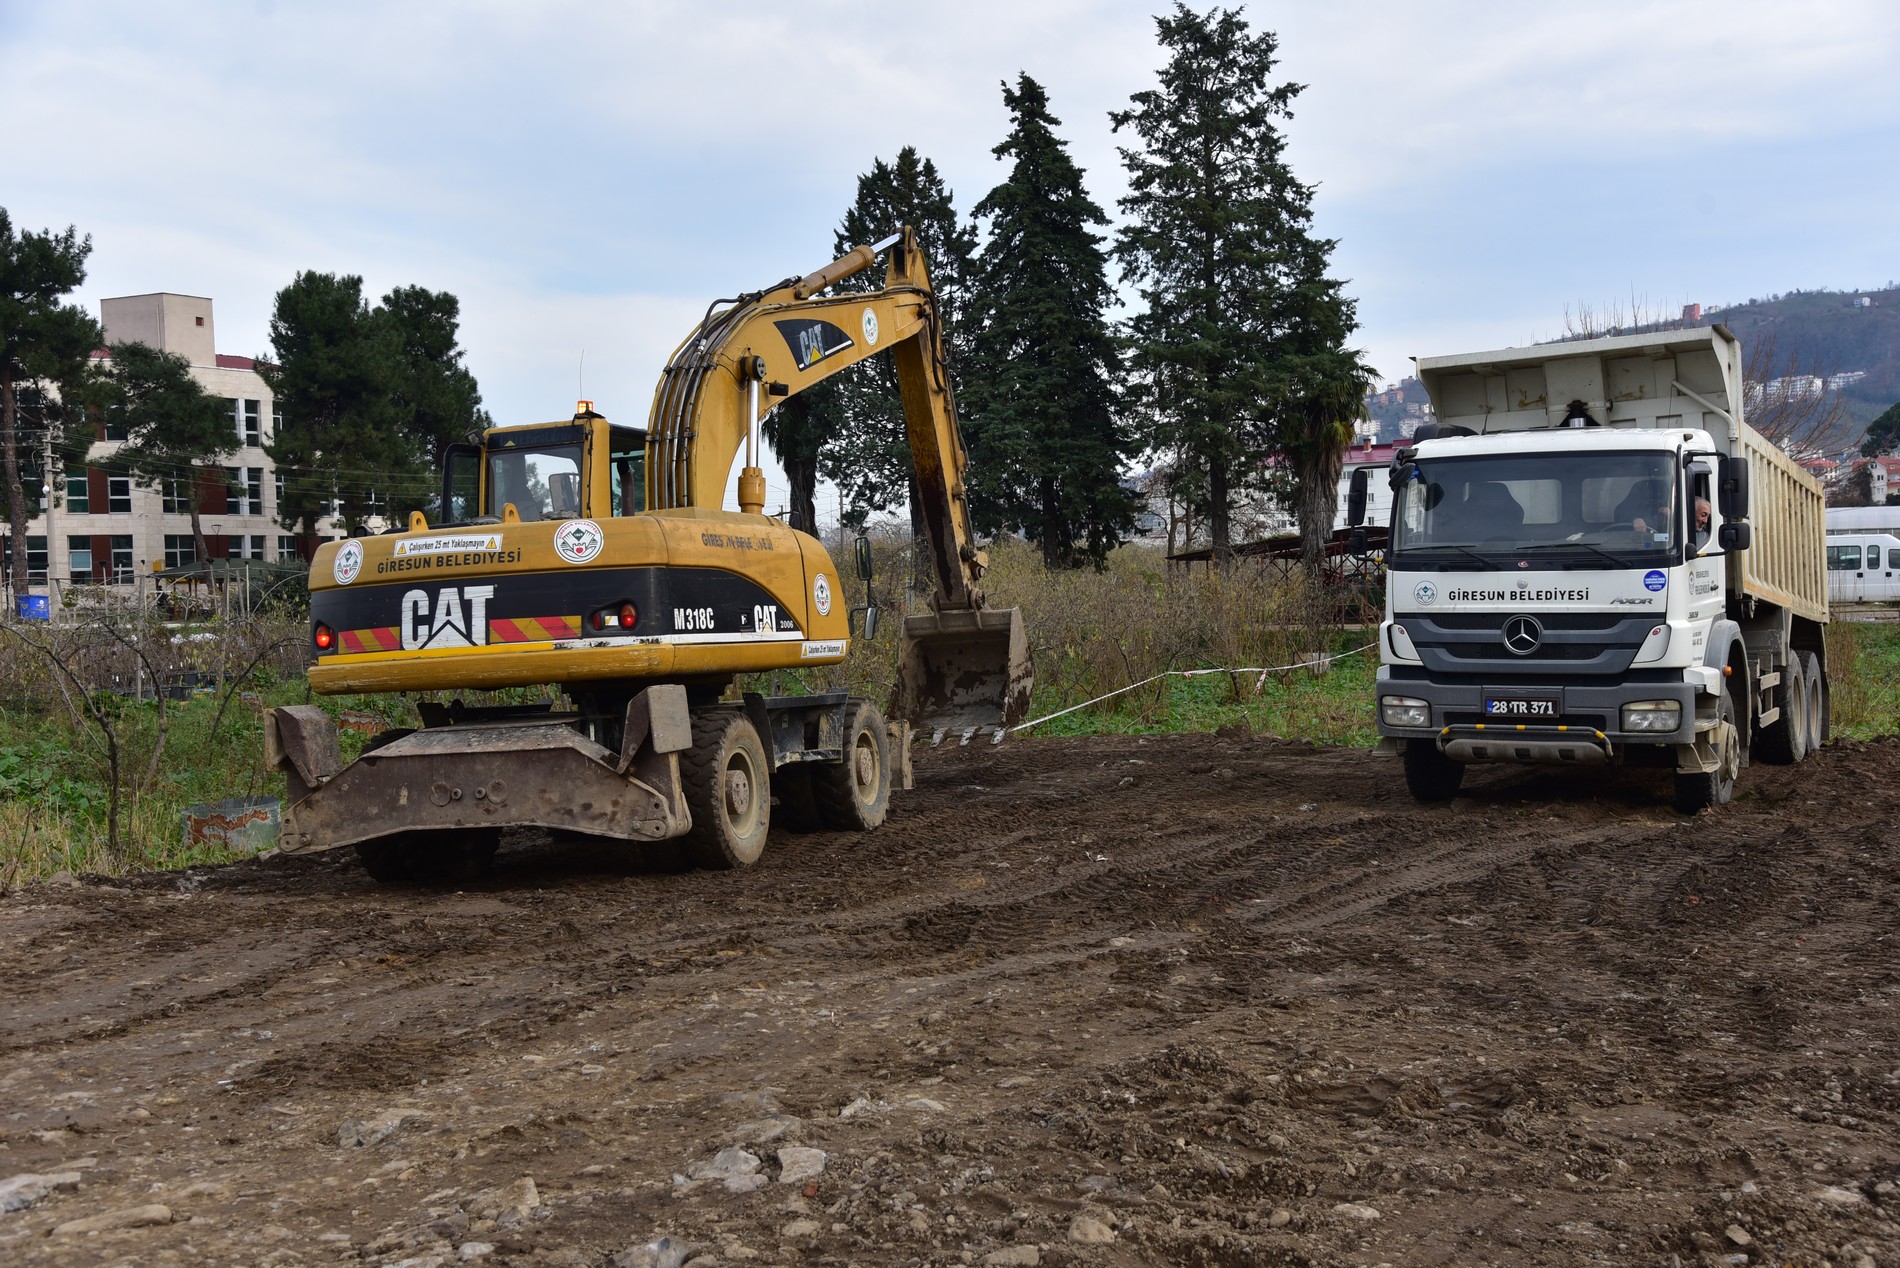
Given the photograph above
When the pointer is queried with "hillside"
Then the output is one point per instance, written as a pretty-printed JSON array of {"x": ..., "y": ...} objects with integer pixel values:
[{"x": 1828, "y": 333}]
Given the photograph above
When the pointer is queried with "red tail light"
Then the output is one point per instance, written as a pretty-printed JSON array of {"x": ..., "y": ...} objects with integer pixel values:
[
  {"x": 325, "y": 637},
  {"x": 624, "y": 617}
]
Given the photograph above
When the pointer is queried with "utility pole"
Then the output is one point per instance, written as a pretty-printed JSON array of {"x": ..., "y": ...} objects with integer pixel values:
[{"x": 46, "y": 499}]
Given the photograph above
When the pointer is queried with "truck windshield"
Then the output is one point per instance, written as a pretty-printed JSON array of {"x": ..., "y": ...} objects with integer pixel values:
[
  {"x": 544, "y": 483},
  {"x": 1492, "y": 510}
]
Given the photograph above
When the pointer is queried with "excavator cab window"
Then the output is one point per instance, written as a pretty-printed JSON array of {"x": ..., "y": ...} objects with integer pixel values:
[
  {"x": 541, "y": 479},
  {"x": 628, "y": 464}
]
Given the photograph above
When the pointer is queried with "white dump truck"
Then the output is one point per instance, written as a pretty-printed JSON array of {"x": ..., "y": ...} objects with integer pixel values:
[{"x": 1594, "y": 560}]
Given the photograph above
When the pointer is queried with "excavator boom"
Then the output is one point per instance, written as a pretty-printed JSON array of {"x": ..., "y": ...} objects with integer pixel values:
[{"x": 964, "y": 666}]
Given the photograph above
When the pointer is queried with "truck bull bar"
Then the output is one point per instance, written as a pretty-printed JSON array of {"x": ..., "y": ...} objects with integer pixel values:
[{"x": 1552, "y": 745}]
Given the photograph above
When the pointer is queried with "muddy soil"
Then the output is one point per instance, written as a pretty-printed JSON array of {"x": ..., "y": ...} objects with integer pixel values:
[{"x": 1182, "y": 1000}]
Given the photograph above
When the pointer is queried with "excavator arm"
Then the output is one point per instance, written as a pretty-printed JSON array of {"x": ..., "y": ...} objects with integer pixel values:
[
  {"x": 769, "y": 345},
  {"x": 964, "y": 667}
]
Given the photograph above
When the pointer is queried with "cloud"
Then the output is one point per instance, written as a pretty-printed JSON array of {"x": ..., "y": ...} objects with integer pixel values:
[{"x": 587, "y": 175}]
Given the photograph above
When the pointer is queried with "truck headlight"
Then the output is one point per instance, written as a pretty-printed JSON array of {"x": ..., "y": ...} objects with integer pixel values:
[
  {"x": 1652, "y": 715},
  {"x": 1404, "y": 711}
]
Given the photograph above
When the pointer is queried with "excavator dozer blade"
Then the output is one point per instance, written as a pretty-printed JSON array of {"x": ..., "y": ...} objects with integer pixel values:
[{"x": 962, "y": 672}]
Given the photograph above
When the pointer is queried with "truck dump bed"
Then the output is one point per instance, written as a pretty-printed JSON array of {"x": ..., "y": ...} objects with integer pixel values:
[{"x": 1660, "y": 380}]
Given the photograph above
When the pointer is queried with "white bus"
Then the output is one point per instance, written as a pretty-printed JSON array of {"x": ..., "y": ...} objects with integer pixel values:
[{"x": 1862, "y": 567}]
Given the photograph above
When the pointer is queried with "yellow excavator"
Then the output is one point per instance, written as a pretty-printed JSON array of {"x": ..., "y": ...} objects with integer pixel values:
[{"x": 597, "y": 558}]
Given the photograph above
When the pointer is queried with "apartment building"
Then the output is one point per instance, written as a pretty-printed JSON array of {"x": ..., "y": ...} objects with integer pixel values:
[{"x": 106, "y": 530}]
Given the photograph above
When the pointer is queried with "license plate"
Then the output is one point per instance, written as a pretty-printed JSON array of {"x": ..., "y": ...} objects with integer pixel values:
[{"x": 1522, "y": 708}]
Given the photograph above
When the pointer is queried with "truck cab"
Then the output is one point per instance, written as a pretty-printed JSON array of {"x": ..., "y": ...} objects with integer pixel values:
[{"x": 1574, "y": 575}]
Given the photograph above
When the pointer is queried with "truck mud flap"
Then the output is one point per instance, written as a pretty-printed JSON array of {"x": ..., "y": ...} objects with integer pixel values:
[
  {"x": 532, "y": 772},
  {"x": 963, "y": 672}
]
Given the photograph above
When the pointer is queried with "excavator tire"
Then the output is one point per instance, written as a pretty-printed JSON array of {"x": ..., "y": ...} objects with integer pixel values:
[
  {"x": 430, "y": 858},
  {"x": 793, "y": 806},
  {"x": 728, "y": 789},
  {"x": 855, "y": 794}
]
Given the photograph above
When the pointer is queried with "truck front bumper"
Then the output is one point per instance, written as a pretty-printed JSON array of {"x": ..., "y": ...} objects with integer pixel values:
[{"x": 1587, "y": 730}]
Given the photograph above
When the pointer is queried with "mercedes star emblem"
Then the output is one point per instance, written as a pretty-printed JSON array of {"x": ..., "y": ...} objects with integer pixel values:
[{"x": 1522, "y": 634}]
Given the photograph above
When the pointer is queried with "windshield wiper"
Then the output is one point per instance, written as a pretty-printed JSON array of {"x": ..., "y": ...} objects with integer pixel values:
[
  {"x": 1598, "y": 551},
  {"x": 1482, "y": 560}
]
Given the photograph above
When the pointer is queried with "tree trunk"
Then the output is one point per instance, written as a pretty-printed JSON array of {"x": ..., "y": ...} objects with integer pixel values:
[
  {"x": 921, "y": 566},
  {"x": 1218, "y": 513},
  {"x": 16, "y": 488},
  {"x": 199, "y": 550},
  {"x": 1053, "y": 554},
  {"x": 803, "y": 477}
]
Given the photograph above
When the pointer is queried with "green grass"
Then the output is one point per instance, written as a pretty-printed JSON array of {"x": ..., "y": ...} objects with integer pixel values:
[{"x": 53, "y": 783}]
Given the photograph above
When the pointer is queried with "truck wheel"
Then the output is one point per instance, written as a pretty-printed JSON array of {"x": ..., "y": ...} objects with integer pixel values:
[
  {"x": 430, "y": 858},
  {"x": 855, "y": 794},
  {"x": 793, "y": 806},
  {"x": 1699, "y": 790},
  {"x": 728, "y": 789},
  {"x": 1819, "y": 703},
  {"x": 1785, "y": 740},
  {"x": 1429, "y": 773}
]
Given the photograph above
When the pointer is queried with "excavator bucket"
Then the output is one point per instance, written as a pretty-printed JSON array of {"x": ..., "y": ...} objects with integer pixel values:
[{"x": 961, "y": 672}]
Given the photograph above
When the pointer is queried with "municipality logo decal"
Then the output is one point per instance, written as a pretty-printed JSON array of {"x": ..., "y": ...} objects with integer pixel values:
[
  {"x": 349, "y": 562},
  {"x": 1655, "y": 579},
  {"x": 1426, "y": 593},
  {"x": 578, "y": 541}
]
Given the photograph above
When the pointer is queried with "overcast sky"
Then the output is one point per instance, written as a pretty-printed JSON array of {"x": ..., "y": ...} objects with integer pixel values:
[{"x": 586, "y": 177}]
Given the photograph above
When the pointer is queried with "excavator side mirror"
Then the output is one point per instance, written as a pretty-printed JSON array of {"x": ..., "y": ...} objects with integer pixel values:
[
  {"x": 863, "y": 547},
  {"x": 870, "y": 621}
]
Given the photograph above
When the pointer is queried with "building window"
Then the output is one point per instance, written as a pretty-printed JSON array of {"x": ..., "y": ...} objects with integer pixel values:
[
  {"x": 278, "y": 488},
  {"x": 176, "y": 495},
  {"x": 122, "y": 559},
  {"x": 112, "y": 425},
  {"x": 79, "y": 494},
  {"x": 179, "y": 550},
  {"x": 246, "y": 490},
  {"x": 248, "y": 422},
  {"x": 35, "y": 559},
  {"x": 118, "y": 495},
  {"x": 248, "y": 546},
  {"x": 286, "y": 550},
  {"x": 79, "y": 559}
]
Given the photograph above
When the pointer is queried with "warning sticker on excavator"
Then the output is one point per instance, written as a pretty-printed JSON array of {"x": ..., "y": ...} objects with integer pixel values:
[
  {"x": 821, "y": 595},
  {"x": 812, "y": 651},
  {"x": 444, "y": 543}
]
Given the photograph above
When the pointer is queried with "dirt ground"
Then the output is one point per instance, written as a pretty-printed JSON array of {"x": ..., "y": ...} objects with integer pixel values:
[{"x": 1179, "y": 1000}]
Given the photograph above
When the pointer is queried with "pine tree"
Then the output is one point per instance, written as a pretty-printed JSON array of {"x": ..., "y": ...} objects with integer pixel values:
[
  {"x": 436, "y": 394},
  {"x": 1239, "y": 314},
  {"x": 44, "y": 343},
  {"x": 859, "y": 417},
  {"x": 334, "y": 372},
  {"x": 1046, "y": 445}
]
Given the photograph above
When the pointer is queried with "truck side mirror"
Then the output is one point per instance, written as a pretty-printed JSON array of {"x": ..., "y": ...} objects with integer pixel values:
[
  {"x": 863, "y": 546},
  {"x": 1732, "y": 492},
  {"x": 1733, "y": 535},
  {"x": 1356, "y": 498},
  {"x": 1358, "y": 543}
]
